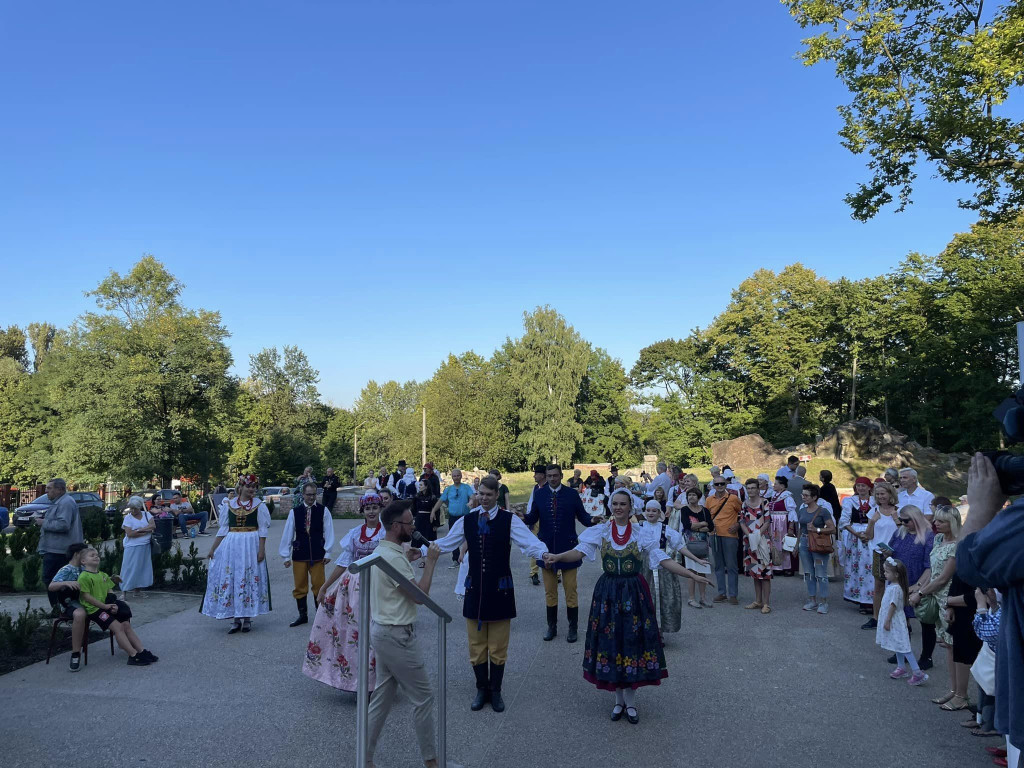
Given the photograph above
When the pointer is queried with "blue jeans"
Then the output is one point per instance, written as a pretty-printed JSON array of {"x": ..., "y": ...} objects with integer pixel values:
[
  {"x": 185, "y": 517},
  {"x": 815, "y": 568},
  {"x": 725, "y": 550}
]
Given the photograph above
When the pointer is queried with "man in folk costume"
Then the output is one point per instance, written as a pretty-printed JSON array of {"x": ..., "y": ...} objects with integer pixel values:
[
  {"x": 306, "y": 540},
  {"x": 490, "y": 602},
  {"x": 556, "y": 508}
]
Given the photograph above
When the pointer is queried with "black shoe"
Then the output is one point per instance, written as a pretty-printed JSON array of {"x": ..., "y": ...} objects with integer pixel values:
[
  {"x": 236, "y": 627},
  {"x": 574, "y": 618},
  {"x": 869, "y": 624},
  {"x": 137, "y": 661},
  {"x": 535, "y": 579},
  {"x": 552, "y": 623},
  {"x": 483, "y": 687},
  {"x": 246, "y": 625},
  {"x": 892, "y": 659},
  {"x": 617, "y": 711},
  {"x": 148, "y": 656},
  {"x": 925, "y": 663},
  {"x": 76, "y": 662},
  {"x": 497, "y": 675},
  {"x": 302, "y": 605},
  {"x": 634, "y": 718}
]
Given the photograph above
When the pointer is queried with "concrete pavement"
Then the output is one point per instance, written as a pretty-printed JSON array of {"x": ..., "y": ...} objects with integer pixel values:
[{"x": 791, "y": 689}]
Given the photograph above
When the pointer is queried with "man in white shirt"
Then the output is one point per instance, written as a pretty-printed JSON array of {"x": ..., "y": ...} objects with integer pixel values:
[
  {"x": 789, "y": 470},
  {"x": 393, "y": 637},
  {"x": 490, "y": 602},
  {"x": 912, "y": 493},
  {"x": 664, "y": 480}
]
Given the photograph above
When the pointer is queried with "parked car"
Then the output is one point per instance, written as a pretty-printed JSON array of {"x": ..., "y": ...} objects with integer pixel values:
[{"x": 85, "y": 500}]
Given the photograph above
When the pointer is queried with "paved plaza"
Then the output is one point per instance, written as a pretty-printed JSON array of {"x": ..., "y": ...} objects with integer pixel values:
[{"x": 792, "y": 689}]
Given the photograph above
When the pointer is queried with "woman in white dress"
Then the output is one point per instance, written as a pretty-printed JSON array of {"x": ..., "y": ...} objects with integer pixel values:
[
  {"x": 666, "y": 588},
  {"x": 137, "y": 566},
  {"x": 238, "y": 585},
  {"x": 332, "y": 654},
  {"x": 855, "y": 553}
]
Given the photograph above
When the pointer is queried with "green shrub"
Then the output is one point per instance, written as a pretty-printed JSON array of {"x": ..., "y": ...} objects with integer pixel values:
[
  {"x": 193, "y": 571},
  {"x": 32, "y": 573},
  {"x": 112, "y": 557},
  {"x": 16, "y": 633},
  {"x": 16, "y": 543},
  {"x": 7, "y": 576},
  {"x": 31, "y": 539},
  {"x": 94, "y": 525}
]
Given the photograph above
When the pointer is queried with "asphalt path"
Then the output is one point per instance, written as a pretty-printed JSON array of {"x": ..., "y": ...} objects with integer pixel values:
[{"x": 792, "y": 689}]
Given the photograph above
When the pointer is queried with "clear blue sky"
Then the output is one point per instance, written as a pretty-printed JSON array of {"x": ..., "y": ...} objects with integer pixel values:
[{"x": 383, "y": 183}]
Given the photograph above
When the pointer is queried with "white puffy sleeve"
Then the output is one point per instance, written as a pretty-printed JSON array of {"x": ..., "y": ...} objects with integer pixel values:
[
  {"x": 649, "y": 540},
  {"x": 285, "y": 548},
  {"x": 673, "y": 539},
  {"x": 791, "y": 508},
  {"x": 523, "y": 538},
  {"x": 847, "y": 513},
  {"x": 328, "y": 532},
  {"x": 262, "y": 519},
  {"x": 591, "y": 539},
  {"x": 345, "y": 558},
  {"x": 224, "y": 516}
]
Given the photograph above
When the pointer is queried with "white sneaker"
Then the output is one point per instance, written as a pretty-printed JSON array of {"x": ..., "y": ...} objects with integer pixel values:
[
  {"x": 823, "y": 608},
  {"x": 810, "y": 605}
]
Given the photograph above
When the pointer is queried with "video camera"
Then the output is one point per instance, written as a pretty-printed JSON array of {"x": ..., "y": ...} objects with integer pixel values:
[{"x": 1009, "y": 466}]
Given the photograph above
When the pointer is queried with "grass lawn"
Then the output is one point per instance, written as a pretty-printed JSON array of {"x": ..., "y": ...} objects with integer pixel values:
[{"x": 843, "y": 474}]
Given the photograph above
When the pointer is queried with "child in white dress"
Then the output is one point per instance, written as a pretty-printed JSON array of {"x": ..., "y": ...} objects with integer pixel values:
[{"x": 892, "y": 633}]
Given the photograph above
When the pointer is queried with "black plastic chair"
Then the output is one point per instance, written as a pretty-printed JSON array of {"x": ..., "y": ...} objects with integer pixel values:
[{"x": 85, "y": 640}]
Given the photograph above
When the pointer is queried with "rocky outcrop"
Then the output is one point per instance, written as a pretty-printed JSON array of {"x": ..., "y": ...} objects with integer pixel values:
[{"x": 747, "y": 451}]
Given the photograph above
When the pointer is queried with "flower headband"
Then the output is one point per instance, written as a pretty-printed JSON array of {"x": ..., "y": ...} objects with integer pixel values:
[
  {"x": 370, "y": 498},
  {"x": 248, "y": 480}
]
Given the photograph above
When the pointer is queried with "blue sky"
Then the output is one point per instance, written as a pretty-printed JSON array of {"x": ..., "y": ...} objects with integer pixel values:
[{"x": 385, "y": 183}]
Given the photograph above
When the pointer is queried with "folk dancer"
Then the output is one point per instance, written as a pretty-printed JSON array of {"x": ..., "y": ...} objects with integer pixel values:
[{"x": 306, "y": 541}]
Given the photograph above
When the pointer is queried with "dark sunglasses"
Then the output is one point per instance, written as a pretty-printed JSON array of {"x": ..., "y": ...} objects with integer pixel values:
[
  {"x": 904, "y": 520},
  {"x": 720, "y": 485}
]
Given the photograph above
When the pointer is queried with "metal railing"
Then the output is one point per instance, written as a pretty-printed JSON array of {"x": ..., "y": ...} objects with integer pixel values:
[{"x": 364, "y": 568}]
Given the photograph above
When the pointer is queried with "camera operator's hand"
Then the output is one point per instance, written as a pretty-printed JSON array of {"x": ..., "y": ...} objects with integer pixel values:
[{"x": 984, "y": 494}]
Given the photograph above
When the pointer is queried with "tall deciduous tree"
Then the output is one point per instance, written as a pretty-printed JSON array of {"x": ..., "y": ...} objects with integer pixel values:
[
  {"x": 611, "y": 430},
  {"x": 930, "y": 80},
  {"x": 547, "y": 365}
]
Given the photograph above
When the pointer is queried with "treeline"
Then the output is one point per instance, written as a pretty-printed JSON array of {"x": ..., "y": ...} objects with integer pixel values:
[{"x": 140, "y": 389}]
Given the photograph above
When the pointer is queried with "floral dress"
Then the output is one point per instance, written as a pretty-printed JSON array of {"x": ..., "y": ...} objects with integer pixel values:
[
  {"x": 756, "y": 519},
  {"x": 238, "y": 586},
  {"x": 858, "y": 581},
  {"x": 941, "y": 552},
  {"x": 623, "y": 647},
  {"x": 332, "y": 655}
]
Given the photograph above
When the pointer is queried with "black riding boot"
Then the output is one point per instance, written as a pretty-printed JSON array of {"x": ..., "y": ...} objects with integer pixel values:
[
  {"x": 300, "y": 602},
  {"x": 483, "y": 691},
  {"x": 552, "y": 623},
  {"x": 573, "y": 615},
  {"x": 497, "y": 673}
]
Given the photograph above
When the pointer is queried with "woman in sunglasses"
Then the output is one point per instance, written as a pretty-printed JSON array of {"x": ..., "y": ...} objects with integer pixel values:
[{"x": 912, "y": 546}]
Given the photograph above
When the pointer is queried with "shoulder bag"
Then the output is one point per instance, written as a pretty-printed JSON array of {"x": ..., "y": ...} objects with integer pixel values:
[{"x": 819, "y": 543}]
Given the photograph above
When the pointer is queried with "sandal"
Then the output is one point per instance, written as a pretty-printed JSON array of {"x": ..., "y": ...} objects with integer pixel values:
[
  {"x": 984, "y": 734},
  {"x": 754, "y": 606},
  {"x": 944, "y": 698},
  {"x": 693, "y": 604},
  {"x": 950, "y": 707},
  {"x": 766, "y": 609}
]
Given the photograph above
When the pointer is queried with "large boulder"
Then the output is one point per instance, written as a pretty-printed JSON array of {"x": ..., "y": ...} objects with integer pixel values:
[
  {"x": 748, "y": 452},
  {"x": 868, "y": 439}
]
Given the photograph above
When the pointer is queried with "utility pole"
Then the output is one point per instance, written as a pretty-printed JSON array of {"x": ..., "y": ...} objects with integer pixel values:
[
  {"x": 355, "y": 453},
  {"x": 424, "y": 457}
]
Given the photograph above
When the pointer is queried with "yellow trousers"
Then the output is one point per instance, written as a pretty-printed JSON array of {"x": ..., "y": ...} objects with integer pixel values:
[
  {"x": 303, "y": 572},
  {"x": 568, "y": 586},
  {"x": 491, "y": 640}
]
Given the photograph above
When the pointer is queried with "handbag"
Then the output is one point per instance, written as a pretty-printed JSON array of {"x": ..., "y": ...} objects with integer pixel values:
[
  {"x": 984, "y": 670},
  {"x": 927, "y": 611},
  {"x": 699, "y": 547},
  {"x": 819, "y": 543}
]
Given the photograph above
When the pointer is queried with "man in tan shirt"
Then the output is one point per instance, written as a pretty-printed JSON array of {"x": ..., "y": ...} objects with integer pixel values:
[{"x": 393, "y": 636}]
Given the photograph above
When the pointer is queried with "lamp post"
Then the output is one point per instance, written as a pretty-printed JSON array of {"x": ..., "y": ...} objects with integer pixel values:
[{"x": 355, "y": 453}]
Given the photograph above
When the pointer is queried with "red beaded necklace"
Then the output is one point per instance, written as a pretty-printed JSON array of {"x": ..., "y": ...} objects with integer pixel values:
[
  {"x": 363, "y": 538},
  {"x": 622, "y": 539}
]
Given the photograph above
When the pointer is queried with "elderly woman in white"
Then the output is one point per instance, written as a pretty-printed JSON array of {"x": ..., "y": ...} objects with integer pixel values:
[{"x": 137, "y": 566}]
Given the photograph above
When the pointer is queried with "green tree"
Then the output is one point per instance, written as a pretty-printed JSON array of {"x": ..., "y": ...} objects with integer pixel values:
[
  {"x": 547, "y": 365},
  {"x": 611, "y": 430},
  {"x": 136, "y": 388},
  {"x": 41, "y": 336},
  {"x": 12, "y": 346},
  {"x": 930, "y": 80},
  {"x": 390, "y": 426},
  {"x": 336, "y": 451}
]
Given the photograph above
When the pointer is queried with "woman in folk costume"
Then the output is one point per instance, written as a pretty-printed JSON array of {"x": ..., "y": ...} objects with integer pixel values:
[
  {"x": 858, "y": 582},
  {"x": 238, "y": 585},
  {"x": 666, "y": 585},
  {"x": 332, "y": 655},
  {"x": 782, "y": 507},
  {"x": 623, "y": 649}
]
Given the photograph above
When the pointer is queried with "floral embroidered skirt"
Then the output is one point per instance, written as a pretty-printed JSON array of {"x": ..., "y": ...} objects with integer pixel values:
[
  {"x": 332, "y": 656},
  {"x": 237, "y": 586},
  {"x": 858, "y": 581},
  {"x": 623, "y": 647}
]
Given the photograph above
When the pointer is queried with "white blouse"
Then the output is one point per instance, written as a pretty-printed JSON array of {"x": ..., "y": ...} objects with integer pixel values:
[
  {"x": 351, "y": 546},
  {"x": 847, "y": 514},
  {"x": 135, "y": 524},
  {"x": 647, "y": 539},
  {"x": 227, "y": 514}
]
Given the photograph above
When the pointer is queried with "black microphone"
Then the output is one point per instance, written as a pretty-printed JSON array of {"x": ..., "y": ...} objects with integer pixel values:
[{"x": 420, "y": 540}]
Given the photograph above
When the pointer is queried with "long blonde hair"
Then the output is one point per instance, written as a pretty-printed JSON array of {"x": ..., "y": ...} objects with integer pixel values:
[
  {"x": 920, "y": 524},
  {"x": 951, "y": 516}
]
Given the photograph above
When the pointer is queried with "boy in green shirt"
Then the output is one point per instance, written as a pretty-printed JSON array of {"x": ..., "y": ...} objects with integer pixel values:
[{"x": 95, "y": 594}]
